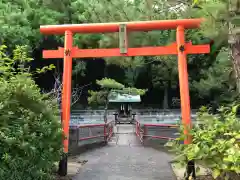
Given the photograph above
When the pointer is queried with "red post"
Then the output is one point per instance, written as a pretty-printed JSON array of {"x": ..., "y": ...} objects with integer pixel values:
[
  {"x": 183, "y": 82},
  {"x": 136, "y": 127},
  {"x": 105, "y": 132},
  {"x": 66, "y": 98},
  {"x": 145, "y": 133}
]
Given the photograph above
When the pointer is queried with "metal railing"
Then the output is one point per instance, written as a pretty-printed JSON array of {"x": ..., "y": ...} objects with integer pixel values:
[
  {"x": 146, "y": 131},
  {"x": 91, "y": 133},
  {"x": 88, "y": 127}
]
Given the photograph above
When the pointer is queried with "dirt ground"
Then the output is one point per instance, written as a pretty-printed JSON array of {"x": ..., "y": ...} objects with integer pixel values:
[
  {"x": 64, "y": 178},
  {"x": 74, "y": 164},
  {"x": 205, "y": 178}
]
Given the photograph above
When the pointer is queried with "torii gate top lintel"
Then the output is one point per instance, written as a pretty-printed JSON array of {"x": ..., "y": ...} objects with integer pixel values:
[
  {"x": 123, "y": 28},
  {"x": 114, "y": 27}
]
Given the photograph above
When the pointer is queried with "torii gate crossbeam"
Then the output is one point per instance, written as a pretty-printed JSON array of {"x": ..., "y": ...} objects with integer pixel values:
[{"x": 179, "y": 48}]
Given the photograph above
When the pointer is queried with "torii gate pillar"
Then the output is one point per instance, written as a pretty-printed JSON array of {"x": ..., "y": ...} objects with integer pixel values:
[
  {"x": 66, "y": 98},
  {"x": 183, "y": 83}
]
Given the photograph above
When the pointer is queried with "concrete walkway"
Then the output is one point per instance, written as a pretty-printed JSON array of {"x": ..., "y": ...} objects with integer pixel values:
[{"x": 124, "y": 158}]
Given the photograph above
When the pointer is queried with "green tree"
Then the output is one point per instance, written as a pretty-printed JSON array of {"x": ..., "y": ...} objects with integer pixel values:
[
  {"x": 165, "y": 76},
  {"x": 21, "y": 20},
  {"x": 221, "y": 25},
  {"x": 217, "y": 85},
  {"x": 106, "y": 87},
  {"x": 30, "y": 131}
]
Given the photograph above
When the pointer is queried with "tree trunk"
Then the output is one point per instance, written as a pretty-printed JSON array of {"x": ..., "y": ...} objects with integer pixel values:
[
  {"x": 105, "y": 70},
  {"x": 106, "y": 108},
  {"x": 105, "y": 113},
  {"x": 149, "y": 4},
  {"x": 165, "y": 99},
  {"x": 234, "y": 41},
  {"x": 235, "y": 48}
]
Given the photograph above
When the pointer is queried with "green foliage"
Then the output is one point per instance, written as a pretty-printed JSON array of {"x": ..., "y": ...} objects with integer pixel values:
[
  {"x": 164, "y": 71},
  {"x": 45, "y": 69},
  {"x": 107, "y": 85},
  {"x": 130, "y": 90},
  {"x": 20, "y": 21},
  {"x": 216, "y": 24},
  {"x": 30, "y": 131},
  {"x": 217, "y": 84},
  {"x": 20, "y": 58},
  {"x": 80, "y": 68},
  {"x": 97, "y": 97},
  {"x": 215, "y": 145}
]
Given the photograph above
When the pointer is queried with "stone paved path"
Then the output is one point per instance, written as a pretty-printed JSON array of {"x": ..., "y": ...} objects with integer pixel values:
[{"x": 125, "y": 159}]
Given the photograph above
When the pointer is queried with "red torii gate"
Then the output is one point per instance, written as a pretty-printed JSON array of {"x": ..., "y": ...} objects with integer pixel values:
[{"x": 180, "y": 48}]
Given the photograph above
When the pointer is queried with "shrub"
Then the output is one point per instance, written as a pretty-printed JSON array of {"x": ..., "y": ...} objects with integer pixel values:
[
  {"x": 30, "y": 131},
  {"x": 215, "y": 145}
]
